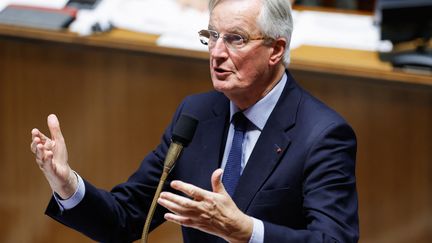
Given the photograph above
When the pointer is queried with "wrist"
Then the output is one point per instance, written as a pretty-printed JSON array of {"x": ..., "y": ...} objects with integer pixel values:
[
  {"x": 69, "y": 187},
  {"x": 245, "y": 232}
]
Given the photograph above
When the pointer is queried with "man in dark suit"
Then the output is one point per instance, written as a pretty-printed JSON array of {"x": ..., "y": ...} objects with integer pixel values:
[{"x": 268, "y": 162}]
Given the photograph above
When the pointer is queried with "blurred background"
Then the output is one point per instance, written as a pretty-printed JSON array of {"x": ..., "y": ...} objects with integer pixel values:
[{"x": 115, "y": 70}]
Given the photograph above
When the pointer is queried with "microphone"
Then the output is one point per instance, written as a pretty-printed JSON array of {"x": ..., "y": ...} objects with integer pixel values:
[
  {"x": 181, "y": 137},
  {"x": 183, "y": 133}
]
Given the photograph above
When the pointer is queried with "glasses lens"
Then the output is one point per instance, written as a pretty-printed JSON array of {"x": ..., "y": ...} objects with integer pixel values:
[
  {"x": 234, "y": 40},
  {"x": 204, "y": 37},
  {"x": 210, "y": 37}
]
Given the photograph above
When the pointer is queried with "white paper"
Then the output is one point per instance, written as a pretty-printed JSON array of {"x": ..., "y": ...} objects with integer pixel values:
[
  {"x": 184, "y": 33},
  {"x": 177, "y": 26},
  {"x": 161, "y": 17},
  {"x": 148, "y": 16},
  {"x": 102, "y": 15},
  {"x": 3, "y": 4},
  {"x": 337, "y": 30},
  {"x": 295, "y": 39}
]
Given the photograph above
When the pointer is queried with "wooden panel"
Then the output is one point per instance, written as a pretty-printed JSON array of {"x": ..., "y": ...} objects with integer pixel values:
[
  {"x": 305, "y": 58},
  {"x": 114, "y": 104},
  {"x": 353, "y": 63}
]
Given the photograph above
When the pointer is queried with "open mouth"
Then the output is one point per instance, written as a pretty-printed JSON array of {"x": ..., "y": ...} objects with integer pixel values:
[{"x": 220, "y": 70}]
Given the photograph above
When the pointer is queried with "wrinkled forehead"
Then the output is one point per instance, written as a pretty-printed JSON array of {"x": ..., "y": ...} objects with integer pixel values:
[
  {"x": 214, "y": 3},
  {"x": 232, "y": 14}
]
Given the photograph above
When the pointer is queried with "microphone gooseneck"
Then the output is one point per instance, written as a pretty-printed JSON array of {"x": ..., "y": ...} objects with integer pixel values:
[{"x": 183, "y": 133}]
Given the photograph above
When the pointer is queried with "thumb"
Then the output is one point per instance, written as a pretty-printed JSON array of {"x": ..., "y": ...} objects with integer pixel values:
[
  {"x": 54, "y": 127},
  {"x": 216, "y": 182}
]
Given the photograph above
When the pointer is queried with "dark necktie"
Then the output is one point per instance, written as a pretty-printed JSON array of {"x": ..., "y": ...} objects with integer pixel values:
[{"x": 232, "y": 169}]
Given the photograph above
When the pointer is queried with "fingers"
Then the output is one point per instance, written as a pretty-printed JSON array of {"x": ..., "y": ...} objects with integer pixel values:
[
  {"x": 178, "y": 204},
  {"x": 188, "y": 212},
  {"x": 216, "y": 182},
  {"x": 48, "y": 156},
  {"x": 54, "y": 127},
  {"x": 37, "y": 138},
  {"x": 40, "y": 138},
  {"x": 34, "y": 143},
  {"x": 42, "y": 147},
  {"x": 43, "y": 156},
  {"x": 209, "y": 211},
  {"x": 43, "y": 152},
  {"x": 190, "y": 190},
  {"x": 178, "y": 219},
  {"x": 39, "y": 154},
  {"x": 34, "y": 133}
]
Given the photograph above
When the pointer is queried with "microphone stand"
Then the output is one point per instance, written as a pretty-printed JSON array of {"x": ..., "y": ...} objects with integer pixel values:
[{"x": 172, "y": 155}]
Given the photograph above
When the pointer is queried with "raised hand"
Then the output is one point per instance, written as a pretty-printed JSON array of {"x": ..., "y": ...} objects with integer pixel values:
[
  {"x": 52, "y": 158},
  {"x": 213, "y": 212}
]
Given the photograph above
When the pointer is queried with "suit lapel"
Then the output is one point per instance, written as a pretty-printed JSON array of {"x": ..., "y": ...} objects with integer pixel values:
[
  {"x": 211, "y": 142},
  {"x": 270, "y": 147}
]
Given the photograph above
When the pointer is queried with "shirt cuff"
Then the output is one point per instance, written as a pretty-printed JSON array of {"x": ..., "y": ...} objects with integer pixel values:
[
  {"x": 75, "y": 199},
  {"x": 258, "y": 231}
]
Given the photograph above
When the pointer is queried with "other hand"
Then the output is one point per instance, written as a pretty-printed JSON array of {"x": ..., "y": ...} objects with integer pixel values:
[
  {"x": 212, "y": 212},
  {"x": 52, "y": 158}
]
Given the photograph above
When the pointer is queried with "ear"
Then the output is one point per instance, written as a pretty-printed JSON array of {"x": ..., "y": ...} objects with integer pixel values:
[{"x": 278, "y": 51}]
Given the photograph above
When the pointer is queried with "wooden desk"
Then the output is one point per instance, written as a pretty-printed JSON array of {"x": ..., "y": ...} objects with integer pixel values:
[{"x": 115, "y": 93}]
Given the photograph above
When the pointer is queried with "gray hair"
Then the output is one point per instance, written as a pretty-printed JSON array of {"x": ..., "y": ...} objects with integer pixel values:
[{"x": 275, "y": 21}]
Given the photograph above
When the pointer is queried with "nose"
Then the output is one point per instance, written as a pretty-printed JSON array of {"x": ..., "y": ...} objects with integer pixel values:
[{"x": 219, "y": 50}]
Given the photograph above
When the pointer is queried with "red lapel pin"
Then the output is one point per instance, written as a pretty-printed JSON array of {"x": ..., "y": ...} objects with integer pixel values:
[{"x": 278, "y": 149}]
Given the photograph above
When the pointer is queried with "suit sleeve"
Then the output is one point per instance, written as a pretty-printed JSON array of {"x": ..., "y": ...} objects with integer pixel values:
[
  {"x": 329, "y": 191},
  {"x": 119, "y": 215}
]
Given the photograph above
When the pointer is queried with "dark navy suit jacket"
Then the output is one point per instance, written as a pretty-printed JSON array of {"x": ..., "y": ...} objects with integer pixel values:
[{"x": 299, "y": 180}]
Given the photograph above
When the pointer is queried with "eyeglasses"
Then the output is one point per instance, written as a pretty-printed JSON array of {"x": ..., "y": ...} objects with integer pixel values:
[{"x": 232, "y": 41}]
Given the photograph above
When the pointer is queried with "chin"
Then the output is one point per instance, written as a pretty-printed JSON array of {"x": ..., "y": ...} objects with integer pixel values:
[{"x": 221, "y": 85}]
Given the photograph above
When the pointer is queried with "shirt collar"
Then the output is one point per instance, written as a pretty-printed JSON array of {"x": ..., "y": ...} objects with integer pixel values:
[{"x": 259, "y": 113}]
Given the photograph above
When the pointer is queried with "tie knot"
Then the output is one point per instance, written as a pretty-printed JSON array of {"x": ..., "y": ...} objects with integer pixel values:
[{"x": 240, "y": 121}]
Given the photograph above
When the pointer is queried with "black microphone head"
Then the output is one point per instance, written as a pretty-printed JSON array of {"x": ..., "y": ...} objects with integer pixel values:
[{"x": 184, "y": 129}]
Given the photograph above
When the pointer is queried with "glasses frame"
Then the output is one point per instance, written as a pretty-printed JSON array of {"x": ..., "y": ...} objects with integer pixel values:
[{"x": 246, "y": 40}]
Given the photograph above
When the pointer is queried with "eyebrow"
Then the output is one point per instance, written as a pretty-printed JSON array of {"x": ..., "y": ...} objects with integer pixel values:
[{"x": 236, "y": 30}]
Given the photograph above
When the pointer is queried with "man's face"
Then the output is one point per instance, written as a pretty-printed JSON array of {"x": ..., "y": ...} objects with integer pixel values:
[{"x": 238, "y": 72}]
